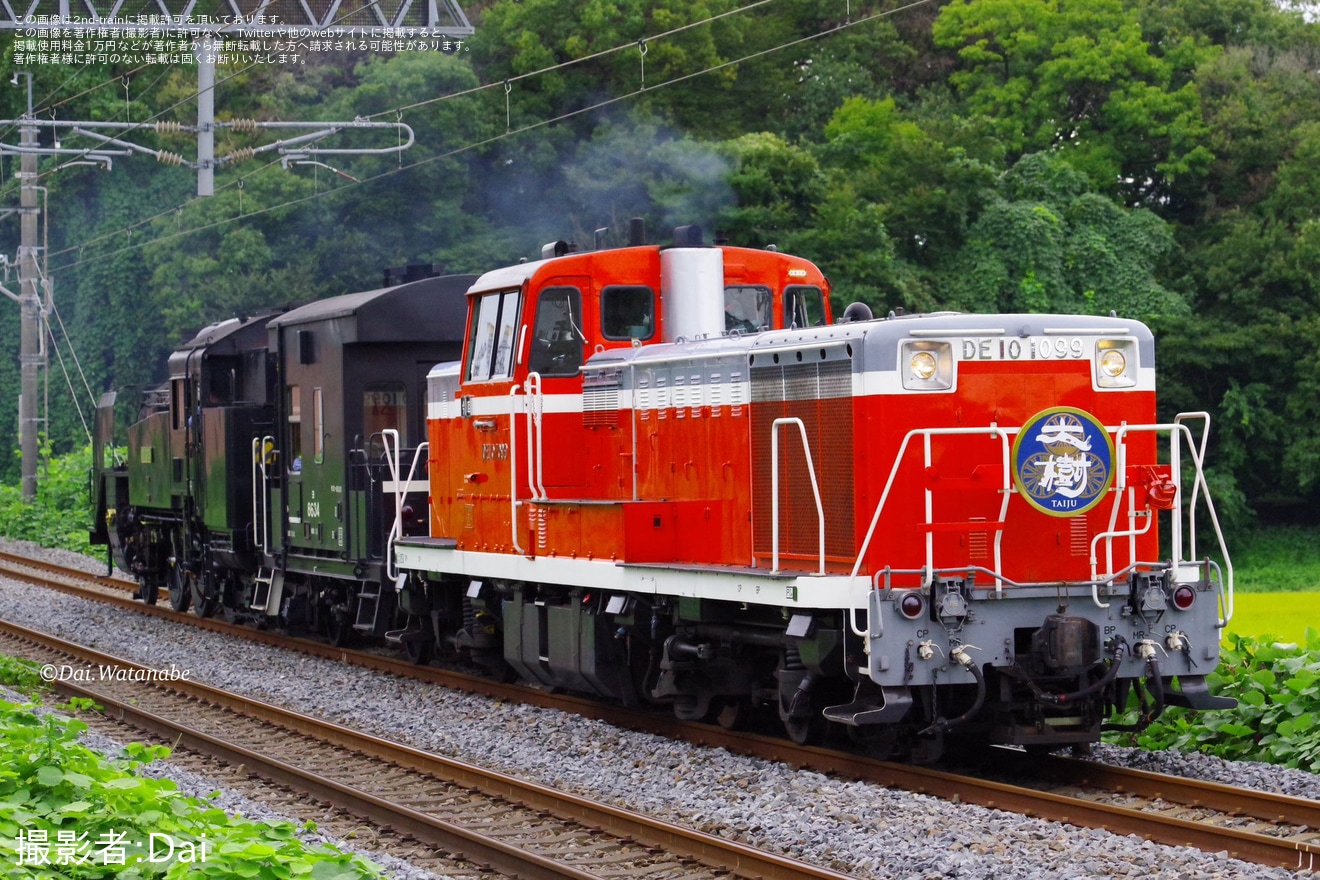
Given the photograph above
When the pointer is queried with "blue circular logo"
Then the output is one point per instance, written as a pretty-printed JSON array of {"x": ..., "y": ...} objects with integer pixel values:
[{"x": 1063, "y": 461}]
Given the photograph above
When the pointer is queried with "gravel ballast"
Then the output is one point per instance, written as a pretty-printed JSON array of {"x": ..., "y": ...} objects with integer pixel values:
[{"x": 854, "y": 827}]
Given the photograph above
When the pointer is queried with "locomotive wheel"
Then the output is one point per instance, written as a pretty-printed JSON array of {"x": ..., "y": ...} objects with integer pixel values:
[
  {"x": 693, "y": 707},
  {"x": 806, "y": 730},
  {"x": 733, "y": 714},
  {"x": 418, "y": 651},
  {"x": 203, "y": 606},
  {"x": 149, "y": 591},
  {"x": 180, "y": 592},
  {"x": 338, "y": 628},
  {"x": 881, "y": 741},
  {"x": 418, "y": 647}
]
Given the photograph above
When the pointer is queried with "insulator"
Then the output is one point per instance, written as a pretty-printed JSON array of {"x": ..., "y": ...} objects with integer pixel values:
[
  {"x": 168, "y": 127},
  {"x": 243, "y": 124},
  {"x": 239, "y": 155},
  {"x": 167, "y": 158}
]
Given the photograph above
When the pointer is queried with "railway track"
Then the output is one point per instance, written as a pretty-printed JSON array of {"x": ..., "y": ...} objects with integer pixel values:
[
  {"x": 494, "y": 820},
  {"x": 1265, "y": 828}
]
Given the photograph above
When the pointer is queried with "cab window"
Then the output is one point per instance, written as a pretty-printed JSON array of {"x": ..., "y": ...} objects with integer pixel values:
[
  {"x": 627, "y": 312},
  {"x": 294, "y": 408},
  {"x": 385, "y": 406},
  {"x": 747, "y": 308},
  {"x": 318, "y": 425},
  {"x": 804, "y": 306},
  {"x": 557, "y": 336},
  {"x": 494, "y": 321}
]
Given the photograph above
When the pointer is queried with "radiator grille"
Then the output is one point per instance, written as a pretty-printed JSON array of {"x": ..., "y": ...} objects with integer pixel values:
[
  {"x": 1079, "y": 536},
  {"x": 600, "y": 399},
  {"x": 817, "y": 391}
]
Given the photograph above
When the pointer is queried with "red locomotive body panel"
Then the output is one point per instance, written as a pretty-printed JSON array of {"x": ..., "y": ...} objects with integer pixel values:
[{"x": 967, "y": 479}]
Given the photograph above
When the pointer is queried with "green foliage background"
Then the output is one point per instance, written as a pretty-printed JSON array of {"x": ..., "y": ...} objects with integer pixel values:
[
  {"x": 1157, "y": 158},
  {"x": 58, "y": 517}
]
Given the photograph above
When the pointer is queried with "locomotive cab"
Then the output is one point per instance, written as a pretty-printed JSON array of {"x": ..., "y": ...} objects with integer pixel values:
[
  {"x": 178, "y": 510},
  {"x": 352, "y": 372}
]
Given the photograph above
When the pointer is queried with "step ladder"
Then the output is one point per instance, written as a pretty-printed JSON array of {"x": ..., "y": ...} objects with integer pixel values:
[
  {"x": 370, "y": 603},
  {"x": 268, "y": 585}
]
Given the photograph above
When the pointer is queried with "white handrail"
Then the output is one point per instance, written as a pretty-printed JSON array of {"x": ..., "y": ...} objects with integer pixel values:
[
  {"x": 400, "y": 491},
  {"x": 774, "y": 490},
  {"x": 535, "y": 456},
  {"x": 1198, "y": 458},
  {"x": 390, "y": 440},
  {"x": 993, "y": 430},
  {"x": 1205, "y": 436},
  {"x": 513, "y": 469},
  {"x": 260, "y": 538}
]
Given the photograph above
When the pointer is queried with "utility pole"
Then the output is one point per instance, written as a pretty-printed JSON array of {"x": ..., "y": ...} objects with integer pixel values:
[
  {"x": 206, "y": 118},
  {"x": 29, "y": 304}
]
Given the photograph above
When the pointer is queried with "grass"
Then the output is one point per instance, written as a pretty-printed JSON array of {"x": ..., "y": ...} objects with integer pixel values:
[
  {"x": 1277, "y": 579},
  {"x": 1279, "y": 559},
  {"x": 1285, "y": 616}
]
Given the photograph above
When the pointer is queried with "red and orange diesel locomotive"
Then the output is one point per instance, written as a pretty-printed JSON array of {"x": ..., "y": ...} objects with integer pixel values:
[
  {"x": 665, "y": 475},
  {"x": 662, "y": 475}
]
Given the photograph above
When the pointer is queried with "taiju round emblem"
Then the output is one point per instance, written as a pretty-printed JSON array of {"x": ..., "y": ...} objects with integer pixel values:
[{"x": 1063, "y": 461}]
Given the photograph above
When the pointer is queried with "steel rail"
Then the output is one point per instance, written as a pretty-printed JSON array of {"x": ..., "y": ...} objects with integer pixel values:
[
  {"x": 715, "y": 852},
  {"x": 1263, "y": 849}
]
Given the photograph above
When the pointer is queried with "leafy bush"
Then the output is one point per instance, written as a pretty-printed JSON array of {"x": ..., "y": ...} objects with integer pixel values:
[
  {"x": 57, "y": 517},
  {"x": 53, "y": 789},
  {"x": 1277, "y": 687},
  {"x": 21, "y": 675}
]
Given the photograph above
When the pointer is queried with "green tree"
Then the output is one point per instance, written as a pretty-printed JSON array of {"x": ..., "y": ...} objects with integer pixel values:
[
  {"x": 1046, "y": 242},
  {"x": 1080, "y": 78},
  {"x": 519, "y": 37},
  {"x": 930, "y": 177},
  {"x": 775, "y": 187}
]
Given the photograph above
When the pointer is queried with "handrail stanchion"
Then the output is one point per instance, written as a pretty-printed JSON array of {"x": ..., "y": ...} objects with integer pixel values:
[
  {"x": 514, "y": 503},
  {"x": 774, "y": 490}
]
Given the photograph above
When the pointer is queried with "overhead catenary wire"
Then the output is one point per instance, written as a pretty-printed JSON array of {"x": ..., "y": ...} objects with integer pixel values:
[
  {"x": 398, "y": 111},
  {"x": 73, "y": 353},
  {"x": 168, "y": 237},
  {"x": 73, "y": 395},
  {"x": 28, "y": 125},
  {"x": 150, "y": 122}
]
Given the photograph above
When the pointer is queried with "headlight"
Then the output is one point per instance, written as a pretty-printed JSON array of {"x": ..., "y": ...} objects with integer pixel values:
[
  {"x": 1112, "y": 363},
  {"x": 1115, "y": 363},
  {"x": 926, "y": 366},
  {"x": 923, "y": 365}
]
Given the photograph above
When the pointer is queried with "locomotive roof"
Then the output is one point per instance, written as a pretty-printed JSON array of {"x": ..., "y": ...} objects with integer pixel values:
[
  {"x": 508, "y": 276},
  {"x": 432, "y": 309},
  {"x": 223, "y": 336},
  {"x": 513, "y": 276},
  {"x": 881, "y": 336}
]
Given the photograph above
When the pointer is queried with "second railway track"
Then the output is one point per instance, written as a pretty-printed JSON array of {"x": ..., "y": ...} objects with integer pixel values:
[
  {"x": 502, "y": 823},
  {"x": 1269, "y": 829}
]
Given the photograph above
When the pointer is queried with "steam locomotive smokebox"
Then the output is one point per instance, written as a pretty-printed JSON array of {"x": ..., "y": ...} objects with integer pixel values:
[{"x": 1067, "y": 643}]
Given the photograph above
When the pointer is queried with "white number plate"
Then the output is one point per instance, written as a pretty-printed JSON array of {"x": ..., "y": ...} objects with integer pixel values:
[{"x": 1019, "y": 348}]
